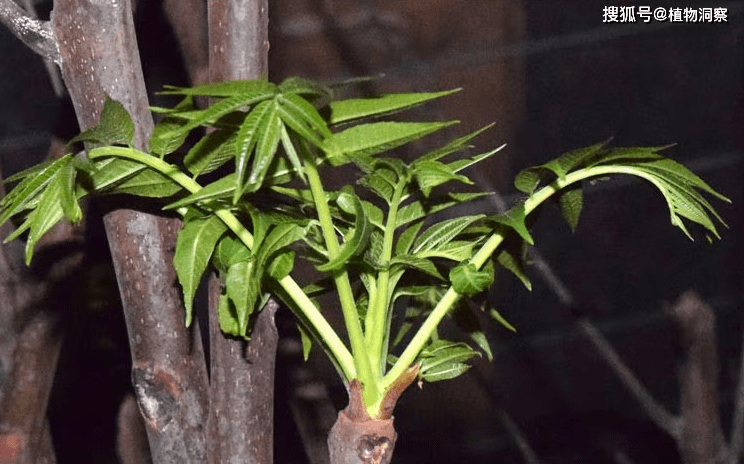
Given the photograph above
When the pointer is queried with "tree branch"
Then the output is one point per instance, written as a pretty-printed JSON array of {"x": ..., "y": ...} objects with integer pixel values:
[
  {"x": 701, "y": 439},
  {"x": 51, "y": 68},
  {"x": 37, "y": 35},
  {"x": 658, "y": 414}
]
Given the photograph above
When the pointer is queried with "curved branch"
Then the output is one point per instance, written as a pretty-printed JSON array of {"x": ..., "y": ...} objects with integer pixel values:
[{"x": 36, "y": 34}]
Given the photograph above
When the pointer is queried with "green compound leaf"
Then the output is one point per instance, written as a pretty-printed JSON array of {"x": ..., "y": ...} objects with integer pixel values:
[
  {"x": 468, "y": 280},
  {"x": 573, "y": 159},
  {"x": 456, "y": 250},
  {"x": 280, "y": 267},
  {"x": 167, "y": 137},
  {"x": 357, "y": 108},
  {"x": 194, "y": 247},
  {"x": 529, "y": 179},
  {"x": 110, "y": 172},
  {"x": 220, "y": 189},
  {"x": 676, "y": 183},
  {"x": 407, "y": 237},
  {"x": 280, "y": 237},
  {"x": 115, "y": 126},
  {"x": 420, "y": 264}
]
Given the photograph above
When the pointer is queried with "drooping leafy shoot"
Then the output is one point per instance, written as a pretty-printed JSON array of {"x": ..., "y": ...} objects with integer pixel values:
[{"x": 397, "y": 274}]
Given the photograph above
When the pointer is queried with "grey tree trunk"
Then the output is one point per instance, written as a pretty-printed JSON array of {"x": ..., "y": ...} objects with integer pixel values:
[{"x": 241, "y": 424}]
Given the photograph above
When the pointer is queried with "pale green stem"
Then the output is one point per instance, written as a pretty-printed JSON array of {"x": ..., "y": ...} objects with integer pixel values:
[
  {"x": 375, "y": 323},
  {"x": 367, "y": 377},
  {"x": 421, "y": 337},
  {"x": 309, "y": 310}
]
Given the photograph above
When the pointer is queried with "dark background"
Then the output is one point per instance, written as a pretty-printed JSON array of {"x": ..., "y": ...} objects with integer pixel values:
[{"x": 553, "y": 77}]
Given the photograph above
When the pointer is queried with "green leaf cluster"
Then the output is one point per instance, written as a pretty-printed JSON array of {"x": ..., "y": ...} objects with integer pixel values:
[{"x": 253, "y": 200}]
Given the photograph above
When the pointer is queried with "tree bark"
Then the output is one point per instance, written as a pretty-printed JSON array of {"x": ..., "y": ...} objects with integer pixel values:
[
  {"x": 241, "y": 410},
  {"x": 356, "y": 438},
  {"x": 37, "y": 35},
  {"x": 98, "y": 54}
]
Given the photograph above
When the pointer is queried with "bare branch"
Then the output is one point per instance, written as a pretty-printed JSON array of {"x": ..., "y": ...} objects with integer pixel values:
[
  {"x": 51, "y": 67},
  {"x": 701, "y": 437},
  {"x": 661, "y": 417},
  {"x": 37, "y": 35},
  {"x": 524, "y": 447}
]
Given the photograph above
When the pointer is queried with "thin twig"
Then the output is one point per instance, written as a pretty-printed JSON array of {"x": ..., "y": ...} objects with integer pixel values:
[
  {"x": 658, "y": 414},
  {"x": 524, "y": 447},
  {"x": 37, "y": 35}
]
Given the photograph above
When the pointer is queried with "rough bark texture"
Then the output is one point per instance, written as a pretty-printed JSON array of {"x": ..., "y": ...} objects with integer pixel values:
[
  {"x": 241, "y": 412},
  {"x": 241, "y": 408},
  {"x": 238, "y": 39},
  {"x": 99, "y": 54},
  {"x": 701, "y": 435},
  {"x": 356, "y": 438}
]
